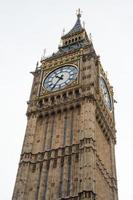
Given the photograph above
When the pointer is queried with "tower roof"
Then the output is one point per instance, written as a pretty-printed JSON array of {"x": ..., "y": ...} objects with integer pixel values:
[
  {"x": 74, "y": 40},
  {"x": 76, "y": 28}
]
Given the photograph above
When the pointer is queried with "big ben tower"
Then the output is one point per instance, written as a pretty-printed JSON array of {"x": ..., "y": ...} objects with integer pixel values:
[{"x": 68, "y": 150}]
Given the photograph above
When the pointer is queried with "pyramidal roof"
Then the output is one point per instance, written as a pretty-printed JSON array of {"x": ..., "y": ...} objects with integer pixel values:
[
  {"x": 77, "y": 27},
  {"x": 74, "y": 39}
]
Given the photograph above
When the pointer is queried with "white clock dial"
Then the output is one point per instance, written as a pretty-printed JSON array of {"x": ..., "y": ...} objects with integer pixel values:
[
  {"x": 105, "y": 92},
  {"x": 60, "y": 77}
]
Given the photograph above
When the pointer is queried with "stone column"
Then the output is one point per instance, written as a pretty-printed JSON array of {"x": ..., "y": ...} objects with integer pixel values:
[
  {"x": 21, "y": 181},
  {"x": 39, "y": 136},
  {"x": 73, "y": 180},
  {"x": 87, "y": 148},
  {"x": 65, "y": 177},
  {"x": 34, "y": 180},
  {"x": 49, "y": 194},
  {"x": 57, "y": 179},
  {"x": 68, "y": 129},
  {"x": 43, "y": 181},
  {"x": 50, "y": 130},
  {"x": 29, "y": 135},
  {"x": 76, "y": 126},
  {"x": 114, "y": 176}
]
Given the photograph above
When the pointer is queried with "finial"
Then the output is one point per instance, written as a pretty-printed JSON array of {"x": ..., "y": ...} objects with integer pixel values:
[
  {"x": 43, "y": 54},
  {"x": 106, "y": 72},
  {"x": 63, "y": 32},
  {"x": 60, "y": 44},
  {"x": 83, "y": 24},
  {"x": 90, "y": 36},
  {"x": 37, "y": 64},
  {"x": 78, "y": 12}
]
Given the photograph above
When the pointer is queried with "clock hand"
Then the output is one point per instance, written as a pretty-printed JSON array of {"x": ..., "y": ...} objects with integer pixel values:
[
  {"x": 59, "y": 78},
  {"x": 55, "y": 84}
]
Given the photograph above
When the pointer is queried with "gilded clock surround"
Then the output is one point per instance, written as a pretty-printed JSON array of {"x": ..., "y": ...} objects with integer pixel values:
[
  {"x": 68, "y": 150},
  {"x": 49, "y": 71}
]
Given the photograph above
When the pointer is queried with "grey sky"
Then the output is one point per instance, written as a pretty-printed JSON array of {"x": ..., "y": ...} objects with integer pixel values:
[{"x": 29, "y": 26}]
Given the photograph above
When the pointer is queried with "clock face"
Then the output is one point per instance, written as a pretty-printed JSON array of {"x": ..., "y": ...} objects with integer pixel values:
[
  {"x": 60, "y": 78},
  {"x": 105, "y": 92}
]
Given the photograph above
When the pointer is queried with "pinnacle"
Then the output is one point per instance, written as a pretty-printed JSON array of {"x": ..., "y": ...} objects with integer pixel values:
[{"x": 77, "y": 27}]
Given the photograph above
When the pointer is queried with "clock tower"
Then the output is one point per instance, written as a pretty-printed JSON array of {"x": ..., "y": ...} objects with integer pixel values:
[{"x": 68, "y": 150}]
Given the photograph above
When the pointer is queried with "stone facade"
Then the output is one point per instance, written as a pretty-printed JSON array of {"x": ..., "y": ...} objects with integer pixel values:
[{"x": 68, "y": 149}]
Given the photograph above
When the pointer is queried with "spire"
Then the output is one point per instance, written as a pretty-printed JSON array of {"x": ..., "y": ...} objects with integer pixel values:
[
  {"x": 75, "y": 39},
  {"x": 78, "y": 13},
  {"x": 77, "y": 27}
]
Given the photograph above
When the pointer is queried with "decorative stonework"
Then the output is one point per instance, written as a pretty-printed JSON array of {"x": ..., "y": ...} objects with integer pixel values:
[{"x": 68, "y": 150}]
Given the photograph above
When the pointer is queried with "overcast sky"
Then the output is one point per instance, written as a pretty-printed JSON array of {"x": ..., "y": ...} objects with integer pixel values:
[{"x": 29, "y": 26}]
